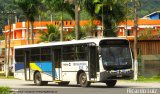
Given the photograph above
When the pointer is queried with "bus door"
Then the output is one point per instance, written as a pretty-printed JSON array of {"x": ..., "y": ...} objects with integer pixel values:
[
  {"x": 93, "y": 62},
  {"x": 26, "y": 63},
  {"x": 56, "y": 63}
]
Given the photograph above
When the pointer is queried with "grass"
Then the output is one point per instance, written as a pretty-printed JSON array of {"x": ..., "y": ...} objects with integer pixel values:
[
  {"x": 147, "y": 79},
  {"x": 2, "y": 76},
  {"x": 5, "y": 90}
]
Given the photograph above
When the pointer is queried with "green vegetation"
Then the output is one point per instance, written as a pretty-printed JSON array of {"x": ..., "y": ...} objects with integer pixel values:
[
  {"x": 5, "y": 90},
  {"x": 114, "y": 11},
  {"x": 54, "y": 6},
  {"x": 111, "y": 12},
  {"x": 2, "y": 37},
  {"x": 147, "y": 34},
  {"x": 30, "y": 9},
  {"x": 52, "y": 34},
  {"x": 2, "y": 76},
  {"x": 148, "y": 6},
  {"x": 147, "y": 79},
  {"x": 8, "y": 6}
]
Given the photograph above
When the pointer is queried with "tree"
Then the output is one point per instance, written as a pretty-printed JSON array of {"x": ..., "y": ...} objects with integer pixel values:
[
  {"x": 52, "y": 34},
  {"x": 70, "y": 35},
  {"x": 110, "y": 12},
  {"x": 85, "y": 31},
  {"x": 77, "y": 17},
  {"x": 2, "y": 37},
  {"x": 8, "y": 6},
  {"x": 60, "y": 6},
  {"x": 67, "y": 6},
  {"x": 136, "y": 4},
  {"x": 30, "y": 9},
  {"x": 90, "y": 8}
]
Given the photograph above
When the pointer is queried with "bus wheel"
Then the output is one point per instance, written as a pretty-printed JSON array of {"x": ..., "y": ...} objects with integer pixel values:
[
  {"x": 83, "y": 80},
  {"x": 38, "y": 79},
  {"x": 44, "y": 82},
  {"x": 111, "y": 83},
  {"x": 63, "y": 83}
]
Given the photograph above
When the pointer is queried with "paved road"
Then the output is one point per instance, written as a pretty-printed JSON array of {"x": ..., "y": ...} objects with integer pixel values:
[{"x": 122, "y": 87}]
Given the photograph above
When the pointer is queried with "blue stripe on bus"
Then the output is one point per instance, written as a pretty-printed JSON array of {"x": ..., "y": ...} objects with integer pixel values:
[
  {"x": 46, "y": 67},
  {"x": 19, "y": 66}
]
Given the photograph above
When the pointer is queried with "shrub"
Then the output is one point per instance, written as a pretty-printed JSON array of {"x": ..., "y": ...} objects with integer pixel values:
[{"x": 4, "y": 90}]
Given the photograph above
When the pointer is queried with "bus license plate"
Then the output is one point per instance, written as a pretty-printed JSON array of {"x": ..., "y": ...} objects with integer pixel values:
[{"x": 119, "y": 75}]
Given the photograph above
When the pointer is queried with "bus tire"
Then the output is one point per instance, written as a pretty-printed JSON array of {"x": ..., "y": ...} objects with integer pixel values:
[
  {"x": 111, "y": 83},
  {"x": 38, "y": 80},
  {"x": 44, "y": 83},
  {"x": 63, "y": 83},
  {"x": 83, "y": 80}
]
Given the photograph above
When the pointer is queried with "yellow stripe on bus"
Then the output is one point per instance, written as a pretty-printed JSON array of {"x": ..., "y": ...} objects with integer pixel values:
[
  {"x": 33, "y": 66},
  {"x": 57, "y": 81}
]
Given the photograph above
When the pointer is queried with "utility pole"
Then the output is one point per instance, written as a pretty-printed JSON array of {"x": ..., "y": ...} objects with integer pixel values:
[
  {"x": 135, "y": 41},
  {"x": 7, "y": 39},
  {"x": 8, "y": 59}
]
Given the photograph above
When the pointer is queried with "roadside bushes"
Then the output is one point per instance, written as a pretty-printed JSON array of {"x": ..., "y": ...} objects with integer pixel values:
[{"x": 4, "y": 90}]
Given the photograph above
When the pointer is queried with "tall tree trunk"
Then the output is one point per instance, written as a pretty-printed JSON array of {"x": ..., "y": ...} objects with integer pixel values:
[
  {"x": 5, "y": 66},
  {"x": 8, "y": 55},
  {"x": 77, "y": 18},
  {"x": 32, "y": 32},
  {"x": 91, "y": 27},
  {"x": 61, "y": 32},
  {"x": 135, "y": 41},
  {"x": 28, "y": 34}
]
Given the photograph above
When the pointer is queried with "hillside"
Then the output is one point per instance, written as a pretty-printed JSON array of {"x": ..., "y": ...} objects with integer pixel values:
[{"x": 148, "y": 6}]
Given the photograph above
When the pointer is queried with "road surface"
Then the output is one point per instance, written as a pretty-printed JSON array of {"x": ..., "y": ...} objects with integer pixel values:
[{"x": 122, "y": 87}]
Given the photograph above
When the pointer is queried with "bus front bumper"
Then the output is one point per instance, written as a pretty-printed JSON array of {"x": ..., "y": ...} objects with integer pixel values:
[{"x": 116, "y": 74}]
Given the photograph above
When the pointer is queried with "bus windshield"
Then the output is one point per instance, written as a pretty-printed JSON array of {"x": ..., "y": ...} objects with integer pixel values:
[{"x": 116, "y": 57}]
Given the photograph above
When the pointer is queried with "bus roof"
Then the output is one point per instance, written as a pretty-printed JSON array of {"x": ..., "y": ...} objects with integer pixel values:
[{"x": 90, "y": 40}]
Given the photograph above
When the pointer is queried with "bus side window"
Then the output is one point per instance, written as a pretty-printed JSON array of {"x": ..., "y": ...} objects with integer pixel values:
[
  {"x": 35, "y": 54},
  {"x": 19, "y": 55},
  {"x": 75, "y": 52},
  {"x": 81, "y": 52},
  {"x": 57, "y": 58},
  {"x": 46, "y": 54},
  {"x": 68, "y": 53}
]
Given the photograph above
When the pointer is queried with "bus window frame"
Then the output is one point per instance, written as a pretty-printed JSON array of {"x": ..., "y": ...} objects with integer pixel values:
[{"x": 75, "y": 53}]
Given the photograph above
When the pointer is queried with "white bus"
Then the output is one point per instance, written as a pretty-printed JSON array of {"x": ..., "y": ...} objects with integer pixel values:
[{"x": 83, "y": 61}]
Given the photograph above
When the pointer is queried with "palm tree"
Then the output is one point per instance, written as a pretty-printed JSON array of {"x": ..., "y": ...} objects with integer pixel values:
[
  {"x": 60, "y": 6},
  {"x": 30, "y": 9},
  {"x": 110, "y": 12},
  {"x": 70, "y": 35},
  {"x": 89, "y": 6},
  {"x": 52, "y": 34},
  {"x": 84, "y": 32}
]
